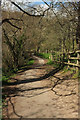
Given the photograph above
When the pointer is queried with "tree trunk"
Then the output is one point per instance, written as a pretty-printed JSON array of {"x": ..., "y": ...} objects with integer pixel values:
[
  {"x": 78, "y": 28},
  {"x": 73, "y": 39}
]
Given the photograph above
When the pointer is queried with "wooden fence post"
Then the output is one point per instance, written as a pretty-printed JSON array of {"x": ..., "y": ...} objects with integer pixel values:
[
  {"x": 51, "y": 57},
  {"x": 68, "y": 60},
  {"x": 78, "y": 54},
  {"x": 77, "y": 65}
]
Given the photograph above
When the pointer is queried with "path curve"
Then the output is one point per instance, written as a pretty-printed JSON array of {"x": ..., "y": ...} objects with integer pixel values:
[
  {"x": 37, "y": 100},
  {"x": 40, "y": 60}
]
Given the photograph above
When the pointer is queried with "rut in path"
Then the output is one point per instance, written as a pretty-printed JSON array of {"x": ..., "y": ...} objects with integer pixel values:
[{"x": 35, "y": 99}]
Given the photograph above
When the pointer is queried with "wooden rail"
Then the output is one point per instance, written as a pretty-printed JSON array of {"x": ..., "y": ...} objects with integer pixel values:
[
  {"x": 69, "y": 63},
  {"x": 72, "y": 64},
  {"x": 77, "y": 64},
  {"x": 74, "y": 58}
]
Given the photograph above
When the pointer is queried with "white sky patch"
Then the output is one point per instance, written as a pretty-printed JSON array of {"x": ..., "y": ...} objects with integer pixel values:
[
  {"x": 42, "y": 1},
  {"x": 6, "y": 4},
  {"x": 26, "y": 1},
  {"x": 34, "y": 0},
  {"x": 44, "y": 6},
  {"x": 23, "y": 0}
]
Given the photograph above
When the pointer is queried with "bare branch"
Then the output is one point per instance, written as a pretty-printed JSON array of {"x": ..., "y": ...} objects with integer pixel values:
[
  {"x": 53, "y": 12},
  {"x": 8, "y": 21},
  {"x": 46, "y": 3},
  {"x": 25, "y": 11},
  {"x": 65, "y": 8}
]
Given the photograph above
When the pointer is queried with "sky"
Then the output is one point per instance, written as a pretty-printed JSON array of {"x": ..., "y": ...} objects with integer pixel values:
[
  {"x": 39, "y": 1},
  {"x": 8, "y": 5},
  {"x": 36, "y": 1}
]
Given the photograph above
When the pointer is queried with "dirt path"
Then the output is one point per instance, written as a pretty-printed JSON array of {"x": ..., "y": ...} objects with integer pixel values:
[{"x": 35, "y": 99}]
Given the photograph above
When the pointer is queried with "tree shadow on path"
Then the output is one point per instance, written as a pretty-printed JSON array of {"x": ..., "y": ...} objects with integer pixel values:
[{"x": 51, "y": 73}]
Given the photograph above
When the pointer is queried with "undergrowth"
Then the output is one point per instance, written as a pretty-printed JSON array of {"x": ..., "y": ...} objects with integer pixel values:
[
  {"x": 12, "y": 73},
  {"x": 71, "y": 70},
  {"x": 43, "y": 55},
  {"x": 31, "y": 62}
]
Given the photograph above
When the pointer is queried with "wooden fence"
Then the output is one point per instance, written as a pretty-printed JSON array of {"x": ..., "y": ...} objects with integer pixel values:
[
  {"x": 61, "y": 58},
  {"x": 77, "y": 64},
  {"x": 69, "y": 63}
]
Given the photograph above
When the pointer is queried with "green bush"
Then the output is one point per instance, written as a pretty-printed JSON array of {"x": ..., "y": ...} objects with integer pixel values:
[
  {"x": 5, "y": 80},
  {"x": 56, "y": 65},
  {"x": 43, "y": 55},
  {"x": 30, "y": 62},
  {"x": 50, "y": 62}
]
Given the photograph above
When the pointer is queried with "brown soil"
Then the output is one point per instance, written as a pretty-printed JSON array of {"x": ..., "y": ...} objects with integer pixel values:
[{"x": 36, "y": 96}]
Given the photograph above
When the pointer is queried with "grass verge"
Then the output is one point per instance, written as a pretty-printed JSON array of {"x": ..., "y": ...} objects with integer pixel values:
[
  {"x": 43, "y": 55},
  {"x": 6, "y": 77},
  {"x": 30, "y": 62}
]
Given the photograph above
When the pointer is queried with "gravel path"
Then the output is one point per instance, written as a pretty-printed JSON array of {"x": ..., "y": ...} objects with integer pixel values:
[{"x": 35, "y": 99}]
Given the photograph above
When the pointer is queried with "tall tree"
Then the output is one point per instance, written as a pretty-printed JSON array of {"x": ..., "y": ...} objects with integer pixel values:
[{"x": 78, "y": 27}]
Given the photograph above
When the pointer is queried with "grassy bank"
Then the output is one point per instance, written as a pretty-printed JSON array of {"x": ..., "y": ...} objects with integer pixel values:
[
  {"x": 43, "y": 55},
  {"x": 48, "y": 57},
  {"x": 6, "y": 77}
]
